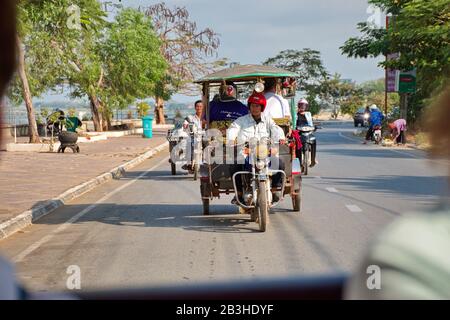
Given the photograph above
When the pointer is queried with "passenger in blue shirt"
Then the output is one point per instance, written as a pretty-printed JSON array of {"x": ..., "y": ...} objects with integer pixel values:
[
  {"x": 226, "y": 107},
  {"x": 376, "y": 119}
]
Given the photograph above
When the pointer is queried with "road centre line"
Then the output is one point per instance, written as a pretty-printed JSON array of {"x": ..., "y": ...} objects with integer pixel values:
[{"x": 79, "y": 215}]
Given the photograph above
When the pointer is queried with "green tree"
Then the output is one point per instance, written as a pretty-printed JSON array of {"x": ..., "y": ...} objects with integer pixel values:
[
  {"x": 186, "y": 50},
  {"x": 142, "y": 108},
  {"x": 365, "y": 94},
  {"x": 132, "y": 62},
  {"x": 47, "y": 33},
  {"x": 334, "y": 92},
  {"x": 420, "y": 33},
  {"x": 308, "y": 64}
]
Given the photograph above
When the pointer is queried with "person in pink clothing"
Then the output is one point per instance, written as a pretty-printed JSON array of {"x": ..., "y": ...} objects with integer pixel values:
[{"x": 398, "y": 129}]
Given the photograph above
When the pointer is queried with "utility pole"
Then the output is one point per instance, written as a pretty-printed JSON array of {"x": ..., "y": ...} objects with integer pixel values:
[
  {"x": 403, "y": 105},
  {"x": 386, "y": 77}
]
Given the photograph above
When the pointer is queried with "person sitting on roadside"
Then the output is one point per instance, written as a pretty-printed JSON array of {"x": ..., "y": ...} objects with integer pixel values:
[
  {"x": 277, "y": 106},
  {"x": 256, "y": 125},
  {"x": 398, "y": 128},
  {"x": 376, "y": 119}
]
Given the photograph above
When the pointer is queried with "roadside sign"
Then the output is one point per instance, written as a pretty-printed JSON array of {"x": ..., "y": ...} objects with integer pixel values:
[
  {"x": 392, "y": 75},
  {"x": 407, "y": 81}
]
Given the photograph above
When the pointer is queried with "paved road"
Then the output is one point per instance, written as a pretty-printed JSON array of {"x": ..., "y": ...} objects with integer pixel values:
[{"x": 147, "y": 228}]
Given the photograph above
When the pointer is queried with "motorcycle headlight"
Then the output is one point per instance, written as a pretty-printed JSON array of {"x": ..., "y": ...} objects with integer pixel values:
[
  {"x": 260, "y": 164},
  {"x": 262, "y": 151},
  {"x": 366, "y": 116}
]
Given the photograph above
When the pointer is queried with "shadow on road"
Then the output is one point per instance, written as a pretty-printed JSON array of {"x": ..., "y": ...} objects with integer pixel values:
[{"x": 223, "y": 218}]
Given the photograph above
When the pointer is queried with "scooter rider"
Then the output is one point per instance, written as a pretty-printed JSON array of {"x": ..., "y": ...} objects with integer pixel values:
[
  {"x": 304, "y": 119},
  {"x": 376, "y": 118},
  {"x": 196, "y": 119},
  {"x": 259, "y": 126},
  {"x": 197, "y": 122}
]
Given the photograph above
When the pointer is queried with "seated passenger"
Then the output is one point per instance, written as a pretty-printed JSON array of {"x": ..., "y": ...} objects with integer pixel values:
[
  {"x": 226, "y": 109},
  {"x": 277, "y": 106}
]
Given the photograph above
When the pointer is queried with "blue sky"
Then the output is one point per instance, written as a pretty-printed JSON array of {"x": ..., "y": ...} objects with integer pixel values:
[{"x": 253, "y": 30}]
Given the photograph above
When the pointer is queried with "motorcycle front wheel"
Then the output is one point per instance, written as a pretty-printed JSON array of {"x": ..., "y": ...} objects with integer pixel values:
[
  {"x": 195, "y": 172},
  {"x": 262, "y": 206},
  {"x": 306, "y": 159}
]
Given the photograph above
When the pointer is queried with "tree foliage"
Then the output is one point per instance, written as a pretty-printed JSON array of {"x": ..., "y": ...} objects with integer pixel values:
[
  {"x": 186, "y": 49},
  {"x": 132, "y": 62},
  {"x": 112, "y": 63},
  {"x": 420, "y": 32},
  {"x": 307, "y": 63}
]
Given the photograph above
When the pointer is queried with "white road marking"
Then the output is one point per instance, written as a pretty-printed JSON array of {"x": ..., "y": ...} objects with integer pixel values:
[
  {"x": 348, "y": 138},
  {"x": 168, "y": 218},
  {"x": 75, "y": 218},
  {"x": 332, "y": 190},
  {"x": 353, "y": 208}
]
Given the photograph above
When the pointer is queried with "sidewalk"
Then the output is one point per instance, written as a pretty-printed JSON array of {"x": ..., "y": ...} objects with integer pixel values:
[{"x": 29, "y": 179}]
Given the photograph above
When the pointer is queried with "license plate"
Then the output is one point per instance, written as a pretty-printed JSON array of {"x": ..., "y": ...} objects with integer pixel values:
[{"x": 262, "y": 177}]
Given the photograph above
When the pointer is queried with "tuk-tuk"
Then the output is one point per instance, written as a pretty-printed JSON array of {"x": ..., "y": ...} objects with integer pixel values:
[{"x": 220, "y": 178}]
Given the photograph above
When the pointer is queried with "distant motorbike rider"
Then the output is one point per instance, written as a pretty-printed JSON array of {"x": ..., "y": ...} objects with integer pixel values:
[
  {"x": 197, "y": 123},
  {"x": 304, "y": 119},
  {"x": 375, "y": 120},
  {"x": 256, "y": 125},
  {"x": 195, "y": 119}
]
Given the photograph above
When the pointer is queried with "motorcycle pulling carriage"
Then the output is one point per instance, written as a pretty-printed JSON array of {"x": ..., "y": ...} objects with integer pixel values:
[{"x": 220, "y": 176}]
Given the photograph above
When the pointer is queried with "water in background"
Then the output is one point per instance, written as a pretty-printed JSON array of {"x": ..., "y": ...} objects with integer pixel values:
[{"x": 18, "y": 115}]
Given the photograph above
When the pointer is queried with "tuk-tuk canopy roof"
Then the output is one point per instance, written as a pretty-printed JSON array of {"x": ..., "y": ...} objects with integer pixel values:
[{"x": 246, "y": 72}]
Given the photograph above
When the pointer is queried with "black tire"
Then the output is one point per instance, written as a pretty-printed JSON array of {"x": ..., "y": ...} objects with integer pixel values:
[
  {"x": 262, "y": 206},
  {"x": 306, "y": 156},
  {"x": 297, "y": 199},
  {"x": 205, "y": 207},
  {"x": 173, "y": 168},
  {"x": 68, "y": 137},
  {"x": 356, "y": 124},
  {"x": 195, "y": 172}
]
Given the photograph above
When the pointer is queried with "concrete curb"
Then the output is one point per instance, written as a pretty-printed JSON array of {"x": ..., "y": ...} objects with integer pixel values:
[{"x": 27, "y": 218}]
